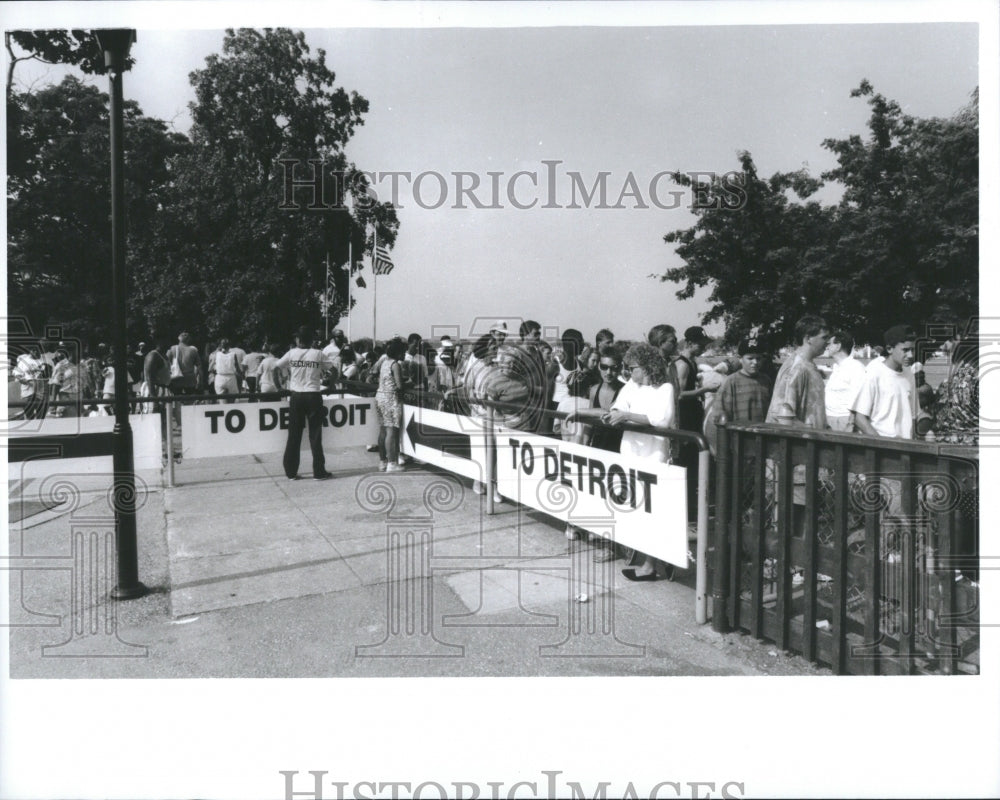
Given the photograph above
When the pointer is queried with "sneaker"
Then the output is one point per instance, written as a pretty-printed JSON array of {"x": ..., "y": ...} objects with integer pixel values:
[
  {"x": 395, "y": 468},
  {"x": 382, "y": 465},
  {"x": 372, "y": 448},
  {"x": 322, "y": 476},
  {"x": 401, "y": 461},
  {"x": 478, "y": 488},
  {"x": 293, "y": 477}
]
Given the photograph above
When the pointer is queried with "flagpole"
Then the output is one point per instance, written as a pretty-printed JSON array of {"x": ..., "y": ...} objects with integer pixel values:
[
  {"x": 326, "y": 297},
  {"x": 374, "y": 283}
]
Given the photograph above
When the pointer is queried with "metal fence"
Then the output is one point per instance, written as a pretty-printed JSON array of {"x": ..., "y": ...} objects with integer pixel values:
[{"x": 858, "y": 553}]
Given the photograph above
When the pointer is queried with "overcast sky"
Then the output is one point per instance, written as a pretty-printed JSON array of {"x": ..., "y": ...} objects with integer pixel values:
[{"x": 630, "y": 102}]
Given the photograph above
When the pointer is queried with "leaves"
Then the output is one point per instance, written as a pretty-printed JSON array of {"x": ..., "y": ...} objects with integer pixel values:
[{"x": 901, "y": 244}]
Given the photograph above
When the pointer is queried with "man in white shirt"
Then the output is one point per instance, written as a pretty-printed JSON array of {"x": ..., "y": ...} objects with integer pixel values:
[
  {"x": 307, "y": 366},
  {"x": 884, "y": 405},
  {"x": 844, "y": 382}
]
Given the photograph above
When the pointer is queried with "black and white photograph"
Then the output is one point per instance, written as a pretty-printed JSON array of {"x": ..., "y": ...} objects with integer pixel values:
[{"x": 500, "y": 400}]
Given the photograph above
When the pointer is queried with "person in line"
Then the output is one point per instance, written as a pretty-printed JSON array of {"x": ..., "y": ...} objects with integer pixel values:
[
  {"x": 798, "y": 400},
  {"x": 271, "y": 376},
  {"x": 799, "y": 395},
  {"x": 647, "y": 399},
  {"x": 599, "y": 402},
  {"x": 155, "y": 375},
  {"x": 844, "y": 382},
  {"x": 389, "y": 405},
  {"x": 443, "y": 379},
  {"x": 228, "y": 370},
  {"x": 67, "y": 383},
  {"x": 348, "y": 363},
  {"x": 185, "y": 370},
  {"x": 690, "y": 409},
  {"x": 664, "y": 338},
  {"x": 884, "y": 404},
  {"x": 745, "y": 395},
  {"x": 250, "y": 365},
  {"x": 29, "y": 373},
  {"x": 307, "y": 365},
  {"x": 602, "y": 337}
]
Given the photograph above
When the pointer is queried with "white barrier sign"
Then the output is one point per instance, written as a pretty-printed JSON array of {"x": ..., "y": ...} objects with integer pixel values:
[
  {"x": 449, "y": 441},
  {"x": 585, "y": 485},
  {"x": 239, "y": 429},
  {"x": 42, "y": 447}
]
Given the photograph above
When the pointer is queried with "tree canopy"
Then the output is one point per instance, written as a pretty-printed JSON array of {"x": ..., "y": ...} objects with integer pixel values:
[
  {"x": 214, "y": 246},
  {"x": 900, "y": 246},
  {"x": 58, "y": 200}
]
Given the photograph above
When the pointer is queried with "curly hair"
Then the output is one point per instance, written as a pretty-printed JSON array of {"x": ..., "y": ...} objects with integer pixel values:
[
  {"x": 396, "y": 349},
  {"x": 649, "y": 358}
]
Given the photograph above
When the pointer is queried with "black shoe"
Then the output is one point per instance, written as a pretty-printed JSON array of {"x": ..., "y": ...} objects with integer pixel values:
[
  {"x": 322, "y": 476},
  {"x": 630, "y": 575},
  {"x": 293, "y": 477}
]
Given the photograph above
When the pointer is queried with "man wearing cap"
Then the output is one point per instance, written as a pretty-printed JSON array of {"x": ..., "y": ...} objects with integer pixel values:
[
  {"x": 499, "y": 332},
  {"x": 307, "y": 365},
  {"x": 745, "y": 395}
]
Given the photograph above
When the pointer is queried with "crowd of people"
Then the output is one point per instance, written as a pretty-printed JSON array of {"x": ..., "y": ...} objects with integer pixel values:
[{"x": 596, "y": 389}]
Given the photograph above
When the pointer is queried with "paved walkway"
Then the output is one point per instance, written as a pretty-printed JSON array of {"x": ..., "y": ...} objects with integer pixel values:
[{"x": 367, "y": 574}]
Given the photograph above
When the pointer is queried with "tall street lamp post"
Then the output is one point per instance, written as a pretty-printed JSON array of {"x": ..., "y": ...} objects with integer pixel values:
[{"x": 116, "y": 44}]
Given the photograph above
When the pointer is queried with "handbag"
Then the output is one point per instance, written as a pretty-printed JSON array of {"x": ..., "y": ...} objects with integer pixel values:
[{"x": 175, "y": 366}]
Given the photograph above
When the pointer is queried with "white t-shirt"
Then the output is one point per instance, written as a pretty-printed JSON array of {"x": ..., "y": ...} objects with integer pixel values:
[
  {"x": 657, "y": 405},
  {"x": 306, "y": 368},
  {"x": 886, "y": 398},
  {"x": 842, "y": 386}
]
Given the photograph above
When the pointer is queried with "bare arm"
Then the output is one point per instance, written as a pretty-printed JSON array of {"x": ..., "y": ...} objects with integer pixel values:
[{"x": 864, "y": 424}]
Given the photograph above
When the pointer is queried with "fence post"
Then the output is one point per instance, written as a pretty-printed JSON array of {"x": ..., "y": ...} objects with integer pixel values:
[
  {"x": 720, "y": 581},
  {"x": 701, "y": 548},
  {"x": 490, "y": 447},
  {"x": 168, "y": 415}
]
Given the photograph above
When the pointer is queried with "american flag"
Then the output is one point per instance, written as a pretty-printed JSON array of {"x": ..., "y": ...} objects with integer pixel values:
[{"x": 382, "y": 263}]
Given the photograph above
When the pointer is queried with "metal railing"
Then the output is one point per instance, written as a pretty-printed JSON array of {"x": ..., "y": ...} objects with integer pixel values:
[{"x": 856, "y": 552}]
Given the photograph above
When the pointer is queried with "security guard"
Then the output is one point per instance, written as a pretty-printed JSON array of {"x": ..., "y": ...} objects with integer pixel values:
[{"x": 307, "y": 365}]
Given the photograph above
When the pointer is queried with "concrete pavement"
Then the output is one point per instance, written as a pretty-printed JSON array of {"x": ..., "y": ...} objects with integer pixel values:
[{"x": 368, "y": 574}]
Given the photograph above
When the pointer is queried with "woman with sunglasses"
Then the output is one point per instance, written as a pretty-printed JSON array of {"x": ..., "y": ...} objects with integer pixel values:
[{"x": 599, "y": 401}]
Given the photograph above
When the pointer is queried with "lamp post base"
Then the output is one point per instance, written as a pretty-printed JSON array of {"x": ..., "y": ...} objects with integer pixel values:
[{"x": 129, "y": 592}]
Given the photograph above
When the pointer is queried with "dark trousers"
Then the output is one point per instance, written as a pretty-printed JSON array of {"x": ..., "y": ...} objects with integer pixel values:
[{"x": 304, "y": 406}]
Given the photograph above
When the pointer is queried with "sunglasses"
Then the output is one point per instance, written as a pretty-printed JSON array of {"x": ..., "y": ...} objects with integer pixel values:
[
  {"x": 606, "y": 367},
  {"x": 630, "y": 367}
]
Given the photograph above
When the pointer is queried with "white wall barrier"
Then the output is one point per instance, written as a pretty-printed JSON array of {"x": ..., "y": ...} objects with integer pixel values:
[
  {"x": 576, "y": 483},
  {"x": 449, "y": 441},
  {"x": 40, "y": 447},
  {"x": 238, "y": 429}
]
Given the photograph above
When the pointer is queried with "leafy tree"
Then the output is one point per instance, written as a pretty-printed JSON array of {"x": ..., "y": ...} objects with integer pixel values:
[
  {"x": 227, "y": 257},
  {"x": 900, "y": 246},
  {"x": 76, "y": 47},
  {"x": 58, "y": 201}
]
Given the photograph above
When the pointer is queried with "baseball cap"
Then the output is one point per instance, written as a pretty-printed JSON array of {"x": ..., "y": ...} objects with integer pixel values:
[
  {"x": 751, "y": 344},
  {"x": 696, "y": 334}
]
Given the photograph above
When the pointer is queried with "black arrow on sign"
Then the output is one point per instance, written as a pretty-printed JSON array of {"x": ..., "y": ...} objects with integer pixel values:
[{"x": 448, "y": 442}]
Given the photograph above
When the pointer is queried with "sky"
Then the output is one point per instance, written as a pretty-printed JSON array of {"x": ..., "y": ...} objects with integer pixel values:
[
  {"x": 629, "y": 102},
  {"x": 620, "y": 88}
]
